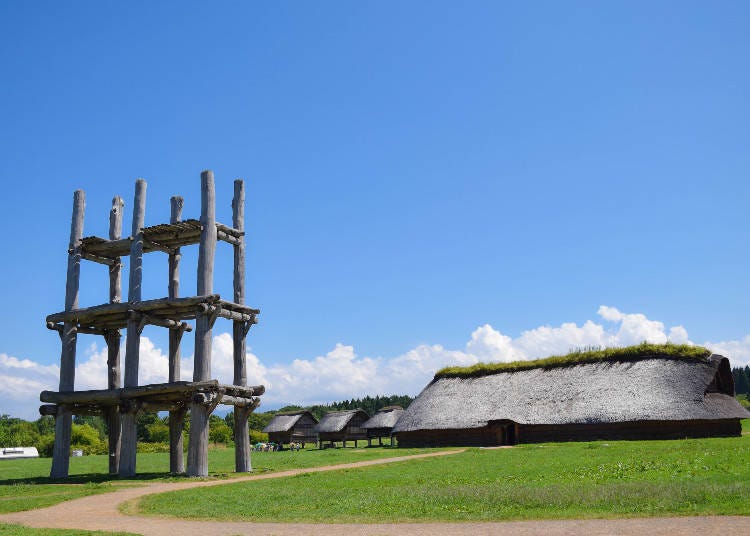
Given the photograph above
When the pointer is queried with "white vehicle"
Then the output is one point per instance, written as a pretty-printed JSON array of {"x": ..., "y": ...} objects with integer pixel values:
[{"x": 18, "y": 452}]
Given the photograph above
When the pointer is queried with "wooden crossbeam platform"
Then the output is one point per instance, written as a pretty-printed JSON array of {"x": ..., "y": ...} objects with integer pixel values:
[
  {"x": 162, "y": 312},
  {"x": 166, "y": 237},
  {"x": 153, "y": 397}
]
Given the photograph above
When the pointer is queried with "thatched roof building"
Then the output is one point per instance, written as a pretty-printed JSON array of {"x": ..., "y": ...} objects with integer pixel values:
[
  {"x": 292, "y": 426},
  {"x": 381, "y": 424},
  {"x": 626, "y": 395},
  {"x": 342, "y": 426}
]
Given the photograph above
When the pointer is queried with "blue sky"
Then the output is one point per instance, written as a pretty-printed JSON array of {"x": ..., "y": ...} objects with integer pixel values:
[{"x": 419, "y": 175}]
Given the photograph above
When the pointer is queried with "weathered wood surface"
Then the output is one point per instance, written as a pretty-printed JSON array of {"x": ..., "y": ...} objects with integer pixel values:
[
  {"x": 69, "y": 339},
  {"x": 156, "y": 238},
  {"x": 242, "y": 461},
  {"x": 198, "y": 447},
  {"x": 133, "y": 336},
  {"x": 178, "y": 309},
  {"x": 176, "y": 418},
  {"x": 240, "y": 402},
  {"x": 128, "y": 444},
  {"x": 112, "y": 396},
  {"x": 115, "y": 232},
  {"x": 176, "y": 441}
]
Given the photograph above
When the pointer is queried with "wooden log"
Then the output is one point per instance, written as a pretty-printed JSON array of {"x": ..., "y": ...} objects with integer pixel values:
[
  {"x": 197, "y": 454},
  {"x": 198, "y": 446},
  {"x": 176, "y": 418},
  {"x": 176, "y": 441},
  {"x": 240, "y": 402},
  {"x": 98, "y": 259},
  {"x": 238, "y": 221},
  {"x": 221, "y": 235},
  {"x": 115, "y": 232},
  {"x": 80, "y": 329},
  {"x": 164, "y": 307},
  {"x": 106, "y": 396},
  {"x": 113, "y": 338},
  {"x": 173, "y": 325},
  {"x": 128, "y": 443},
  {"x": 48, "y": 409},
  {"x": 219, "y": 310},
  {"x": 242, "y": 460},
  {"x": 114, "y": 381},
  {"x": 132, "y": 342},
  {"x": 232, "y": 231},
  {"x": 69, "y": 339}
]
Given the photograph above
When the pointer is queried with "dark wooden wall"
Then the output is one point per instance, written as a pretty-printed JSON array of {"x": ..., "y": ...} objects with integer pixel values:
[{"x": 498, "y": 434}]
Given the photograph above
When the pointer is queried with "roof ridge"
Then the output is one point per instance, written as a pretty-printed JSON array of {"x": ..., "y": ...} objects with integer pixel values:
[{"x": 583, "y": 356}]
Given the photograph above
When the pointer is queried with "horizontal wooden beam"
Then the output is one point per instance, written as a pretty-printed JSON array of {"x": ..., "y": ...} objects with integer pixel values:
[
  {"x": 169, "y": 392},
  {"x": 240, "y": 402}
]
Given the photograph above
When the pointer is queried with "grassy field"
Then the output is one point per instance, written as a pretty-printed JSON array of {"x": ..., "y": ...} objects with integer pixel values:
[
  {"x": 25, "y": 484},
  {"x": 562, "y": 480}
]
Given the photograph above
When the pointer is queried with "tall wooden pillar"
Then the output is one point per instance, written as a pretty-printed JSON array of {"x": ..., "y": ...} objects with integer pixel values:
[
  {"x": 176, "y": 418},
  {"x": 133, "y": 338},
  {"x": 198, "y": 447},
  {"x": 69, "y": 338},
  {"x": 242, "y": 463},
  {"x": 113, "y": 337}
]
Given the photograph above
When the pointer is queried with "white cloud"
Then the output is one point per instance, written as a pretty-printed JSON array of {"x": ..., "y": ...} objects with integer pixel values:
[{"x": 341, "y": 373}]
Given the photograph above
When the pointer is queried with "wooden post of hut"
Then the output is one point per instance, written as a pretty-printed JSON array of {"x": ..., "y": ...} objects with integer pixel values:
[
  {"x": 113, "y": 338},
  {"x": 128, "y": 448},
  {"x": 69, "y": 338},
  {"x": 176, "y": 416},
  {"x": 198, "y": 446}
]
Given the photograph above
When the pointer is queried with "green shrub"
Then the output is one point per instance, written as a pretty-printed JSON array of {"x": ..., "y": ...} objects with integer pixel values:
[
  {"x": 86, "y": 438},
  {"x": 157, "y": 432},
  {"x": 45, "y": 445},
  {"x": 258, "y": 437},
  {"x": 153, "y": 447}
]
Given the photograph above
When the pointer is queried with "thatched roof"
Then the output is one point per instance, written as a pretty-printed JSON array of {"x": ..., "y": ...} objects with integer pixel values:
[
  {"x": 385, "y": 417},
  {"x": 656, "y": 389},
  {"x": 283, "y": 422},
  {"x": 335, "y": 421}
]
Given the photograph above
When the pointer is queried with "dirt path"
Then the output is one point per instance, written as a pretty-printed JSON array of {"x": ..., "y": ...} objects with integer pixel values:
[{"x": 100, "y": 512}]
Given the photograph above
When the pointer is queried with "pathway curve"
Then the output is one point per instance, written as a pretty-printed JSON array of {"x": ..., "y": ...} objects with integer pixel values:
[{"x": 100, "y": 512}]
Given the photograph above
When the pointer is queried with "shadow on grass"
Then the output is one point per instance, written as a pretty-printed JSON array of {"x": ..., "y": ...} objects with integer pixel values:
[{"x": 97, "y": 478}]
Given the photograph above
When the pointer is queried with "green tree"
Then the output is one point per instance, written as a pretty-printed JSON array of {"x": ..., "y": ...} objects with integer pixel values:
[
  {"x": 144, "y": 420},
  {"x": 157, "y": 432},
  {"x": 85, "y": 437},
  {"x": 219, "y": 432}
]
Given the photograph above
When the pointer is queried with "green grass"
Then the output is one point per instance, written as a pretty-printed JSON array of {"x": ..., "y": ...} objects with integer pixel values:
[
  {"x": 586, "y": 355},
  {"x": 556, "y": 480},
  {"x": 25, "y": 484},
  {"x": 18, "y": 530},
  {"x": 745, "y": 426}
]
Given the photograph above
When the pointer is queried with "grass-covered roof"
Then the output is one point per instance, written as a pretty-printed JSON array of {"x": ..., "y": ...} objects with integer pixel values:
[{"x": 583, "y": 356}]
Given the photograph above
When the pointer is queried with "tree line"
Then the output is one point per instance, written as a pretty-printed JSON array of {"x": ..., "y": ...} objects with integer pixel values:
[
  {"x": 742, "y": 380},
  {"x": 89, "y": 432}
]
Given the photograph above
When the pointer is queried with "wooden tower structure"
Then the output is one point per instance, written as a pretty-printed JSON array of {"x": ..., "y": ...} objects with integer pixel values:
[{"x": 119, "y": 404}]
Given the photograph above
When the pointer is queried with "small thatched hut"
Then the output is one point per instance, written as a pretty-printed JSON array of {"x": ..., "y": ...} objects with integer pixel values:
[
  {"x": 381, "y": 424},
  {"x": 642, "y": 392},
  {"x": 342, "y": 426},
  {"x": 292, "y": 426}
]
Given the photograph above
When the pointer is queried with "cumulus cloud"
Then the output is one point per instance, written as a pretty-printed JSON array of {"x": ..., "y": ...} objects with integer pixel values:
[{"x": 341, "y": 373}]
